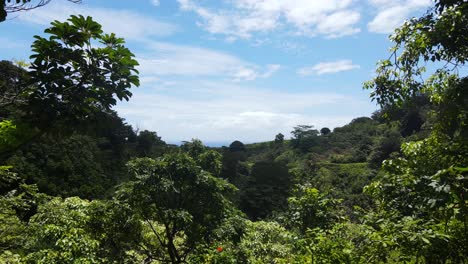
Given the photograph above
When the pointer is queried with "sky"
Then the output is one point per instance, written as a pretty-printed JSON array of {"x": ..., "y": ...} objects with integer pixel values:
[{"x": 243, "y": 70}]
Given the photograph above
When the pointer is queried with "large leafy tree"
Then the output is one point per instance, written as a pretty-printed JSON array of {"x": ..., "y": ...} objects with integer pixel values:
[
  {"x": 423, "y": 193},
  {"x": 79, "y": 70},
  {"x": 439, "y": 36},
  {"x": 179, "y": 202},
  {"x": 75, "y": 73}
]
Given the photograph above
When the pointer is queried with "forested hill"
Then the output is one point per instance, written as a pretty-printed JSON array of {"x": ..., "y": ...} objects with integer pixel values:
[
  {"x": 80, "y": 185},
  {"x": 339, "y": 162}
]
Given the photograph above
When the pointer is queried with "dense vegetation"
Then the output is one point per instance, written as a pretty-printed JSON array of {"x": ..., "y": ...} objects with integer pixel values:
[{"x": 79, "y": 185}]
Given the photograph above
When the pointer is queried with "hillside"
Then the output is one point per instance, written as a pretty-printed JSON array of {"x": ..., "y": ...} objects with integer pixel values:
[{"x": 78, "y": 184}]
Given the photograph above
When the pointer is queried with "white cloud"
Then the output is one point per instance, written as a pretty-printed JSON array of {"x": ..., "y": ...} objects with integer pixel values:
[
  {"x": 328, "y": 67},
  {"x": 331, "y": 18},
  {"x": 170, "y": 59},
  {"x": 245, "y": 74},
  {"x": 155, "y": 2},
  {"x": 249, "y": 74},
  {"x": 392, "y": 14},
  {"x": 219, "y": 111},
  {"x": 124, "y": 23},
  {"x": 339, "y": 24}
]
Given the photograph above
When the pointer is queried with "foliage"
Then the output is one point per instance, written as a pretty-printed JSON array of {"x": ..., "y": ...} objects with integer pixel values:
[
  {"x": 210, "y": 161},
  {"x": 13, "y": 82},
  {"x": 236, "y": 146},
  {"x": 310, "y": 209},
  {"x": 345, "y": 182},
  {"x": 430, "y": 196},
  {"x": 387, "y": 144},
  {"x": 265, "y": 190},
  {"x": 147, "y": 143},
  {"x": 233, "y": 168},
  {"x": 7, "y": 134},
  {"x": 67, "y": 167},
  {"x": 342, "y": 243},
  {"x": 304, "y": 137},
  {"x": 74, "y": 79},
  {"x": 59, "y": 234},
  {"x": 279, "y": 138},
  {"x": 250, "y": 242},
  {"x": 422, "y": 194},
  {"x": 17, "y": 205},
  {"x": 193, "y": 148},
  {"x": 178, "y": 208},
  {"x": 438, "y": 36},
  {"x": 325, "y": 131},
  {"x": 266, "y": 242},
  {"x": 68, "y": 81},
  {"x": 173, "y": 191}
]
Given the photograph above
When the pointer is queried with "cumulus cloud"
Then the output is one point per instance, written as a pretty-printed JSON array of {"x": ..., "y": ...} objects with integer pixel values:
[
  {"x": 124, "y": 23},
  {"x": 328, "y": 67},
  {"x": 331, "y": 18},
  {"x": 392, "y": 14},
  {"x": 220, "y": 111},
  {"x": 155, "y": 2}
]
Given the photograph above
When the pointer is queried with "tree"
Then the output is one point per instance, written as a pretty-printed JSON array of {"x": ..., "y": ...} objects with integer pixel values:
[
  {"x": 439, "y": 36},
  {"x": 181, "y": 203},
  {"x": 60, "y": 233},
  {"x": 146, "y": 141},
  {"x": 13, "y": 81},
  {"x": 423, "y": 192},
  {"x": 266, "y": 242},
  {"x": 193, "y": 148},
  {"x": 304, "y": 137},
  {"x": 389, "y": 143},
  {"x": 75, "y": 79},
  {"x": 11, "y": 6},
  {"x": 64, "y": 167},
  {"x": 210, "y": 161},
  {"x": 325, "y": 131},
  {"x": 207, "y": 159},
  {"x": 309, "y": 209},
  {"x": 73, "y": 230},
  {"x": 237, "y": 146},
  {"x": 243, "y": 241},
  {"x": 266, "y": 189},
  {"x": 70, "y": 80},
  {"x": 279, "y": 138},
  {"x": 17, "y": 204}
]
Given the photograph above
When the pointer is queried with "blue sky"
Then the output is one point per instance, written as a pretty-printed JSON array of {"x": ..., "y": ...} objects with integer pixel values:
[{"x": 237, "y": 69}]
